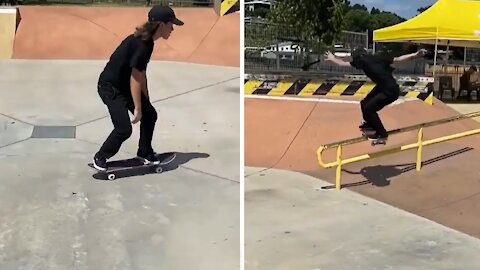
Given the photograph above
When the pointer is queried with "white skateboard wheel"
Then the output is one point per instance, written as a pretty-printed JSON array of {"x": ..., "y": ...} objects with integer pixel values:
[
  {"x": 158, "y": 169},
  {"x": 111, "y": 176}
]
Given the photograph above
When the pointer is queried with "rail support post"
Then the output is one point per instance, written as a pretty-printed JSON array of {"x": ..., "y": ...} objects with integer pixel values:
[
  {"x": 419, "y": 149},
  {"x": 339, "y": 167}
]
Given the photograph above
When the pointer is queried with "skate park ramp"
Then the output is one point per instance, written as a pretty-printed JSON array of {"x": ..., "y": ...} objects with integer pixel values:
[
  {"x": 94, "y": 32},
  {"x": 285, "y": 135},
  {"x": 9, "y": 17},
  {"x": 57, "y": 212}
]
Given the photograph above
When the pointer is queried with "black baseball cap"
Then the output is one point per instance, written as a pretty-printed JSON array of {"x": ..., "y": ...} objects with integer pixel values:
[
  {"x": 164, "y": 14},
  {"x": 359, "y": 51}
]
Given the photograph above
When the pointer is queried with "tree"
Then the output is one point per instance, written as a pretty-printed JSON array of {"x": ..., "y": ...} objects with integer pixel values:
[
  {"x": 385, "y": 19},
  {"x": 347, "y": 6},
  {"x": 360, "y": 7},
  {"x": 375, "y": 11},
  {"x": 422, "y": 9},
  {"x": 357, "y": 20},
  {"x": 317, "y": 21}
]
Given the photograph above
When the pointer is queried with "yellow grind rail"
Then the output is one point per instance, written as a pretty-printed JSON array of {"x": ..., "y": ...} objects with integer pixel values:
[{"x": 419, "y": 145}]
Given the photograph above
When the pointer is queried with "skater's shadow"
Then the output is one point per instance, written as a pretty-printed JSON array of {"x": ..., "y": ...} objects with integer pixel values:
[
  {"x": 381, "y": 176},
  {"x": 183, "y": 158},
  {"x": 180, "y": 159}
]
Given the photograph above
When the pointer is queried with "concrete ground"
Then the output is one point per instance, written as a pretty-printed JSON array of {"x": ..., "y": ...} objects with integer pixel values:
[
  {"x": 291, "y": 223},
  {"x": 56, "y": 214},
  {"x": 465, "y": 108}
]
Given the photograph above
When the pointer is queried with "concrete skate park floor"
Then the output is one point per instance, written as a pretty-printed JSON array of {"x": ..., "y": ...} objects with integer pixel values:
[
  {"x": 292, "y": 223},
  {"x": 56, "y": 215}
]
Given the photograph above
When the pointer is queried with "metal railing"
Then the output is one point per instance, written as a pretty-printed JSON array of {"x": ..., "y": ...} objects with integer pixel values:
[{"x": 340, "y": 161}]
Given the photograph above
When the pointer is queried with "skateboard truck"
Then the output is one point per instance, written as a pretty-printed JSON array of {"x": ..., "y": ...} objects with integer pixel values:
[{"x": 379, "y": 141}]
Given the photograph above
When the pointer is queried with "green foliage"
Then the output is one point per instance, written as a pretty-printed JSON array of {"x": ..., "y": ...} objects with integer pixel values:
[
  {"x": 317, "y": 21},
  {"x": 317, "y": 24},
  {"x": 259, "y": 35},
  {"x": 360, "y": 20},
  {"x": 357, "y": 20},
  {"x": 258, "y": 12},
  {"x": 422, "y": 9},
  {"x": 374, "y": 11},
  {"x": 384, "y": 19}
]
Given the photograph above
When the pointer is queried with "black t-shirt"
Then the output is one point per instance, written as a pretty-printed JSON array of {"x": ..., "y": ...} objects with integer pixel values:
[
  {"x": 131, "y": 53},
  {"x": 377, "y": 68}
]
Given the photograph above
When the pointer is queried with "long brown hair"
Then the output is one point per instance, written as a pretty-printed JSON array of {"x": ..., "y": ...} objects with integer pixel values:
[{"x": 146, "y": 30}]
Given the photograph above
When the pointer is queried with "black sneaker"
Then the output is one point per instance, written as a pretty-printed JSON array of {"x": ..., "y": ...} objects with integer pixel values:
[
  {"x": 364, "y": 125},
  {"x": 166, "y": 158},
  {"x": 150, "y": 159},
  {"x": 368, "y": 132},
  {"x": 100, "y": 163},
  {"x": 377, "y": 137}
]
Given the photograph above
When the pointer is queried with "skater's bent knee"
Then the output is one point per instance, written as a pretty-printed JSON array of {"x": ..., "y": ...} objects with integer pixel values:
[
  {"x": 150, "y": 117},
  {"x": 154, "y": 116},
  {"x": 124, "y": 133},
  {"x": 362, "y": 105},
  {"x": 367, "y": 107}
]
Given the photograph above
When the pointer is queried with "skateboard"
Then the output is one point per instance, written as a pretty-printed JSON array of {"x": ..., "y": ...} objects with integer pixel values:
[{"x": 116, "y": 166}]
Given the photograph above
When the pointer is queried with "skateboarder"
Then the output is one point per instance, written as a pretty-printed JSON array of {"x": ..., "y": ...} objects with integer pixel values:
[
  {"x": 385, "y": 92},
  {"x": 122, "y": 86}
]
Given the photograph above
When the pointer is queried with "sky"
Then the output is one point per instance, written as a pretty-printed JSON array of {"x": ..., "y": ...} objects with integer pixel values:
[{"x": 405, "y": 8}]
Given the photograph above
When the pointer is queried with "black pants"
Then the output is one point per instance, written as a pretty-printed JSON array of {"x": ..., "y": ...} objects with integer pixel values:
[
  {"x": 119, "y": 105},
  {"x": 377, "y": 99}
]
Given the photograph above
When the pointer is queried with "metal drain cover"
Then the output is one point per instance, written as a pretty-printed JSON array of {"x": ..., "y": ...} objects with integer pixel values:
[{"x": 52, "y": 132}]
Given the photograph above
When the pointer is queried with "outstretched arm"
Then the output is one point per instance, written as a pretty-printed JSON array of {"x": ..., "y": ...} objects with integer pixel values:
[
  {"x": 337, "y": 61},
  {"x": 410, "y": 56}
]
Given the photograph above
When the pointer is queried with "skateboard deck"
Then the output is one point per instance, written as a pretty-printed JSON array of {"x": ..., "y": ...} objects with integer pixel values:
[{"x": 116, "y": 166}]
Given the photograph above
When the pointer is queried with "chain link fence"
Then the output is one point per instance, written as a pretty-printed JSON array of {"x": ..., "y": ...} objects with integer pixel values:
[
  {"x": 278, "y": 49},
  {"x": 275, "y": 48}
]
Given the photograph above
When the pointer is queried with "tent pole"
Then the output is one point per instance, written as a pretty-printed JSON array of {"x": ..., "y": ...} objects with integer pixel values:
[
  {"x": 448, "y": 48},
  {"x": 464, "y": 58},
  {"x": 366, "y": 32},
  {"x": 435, "y": 58},
  {"x": 446, "y": 58}
]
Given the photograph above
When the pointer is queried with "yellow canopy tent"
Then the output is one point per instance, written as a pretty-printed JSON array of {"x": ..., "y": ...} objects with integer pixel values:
[{"x": 447, "y": 22}]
